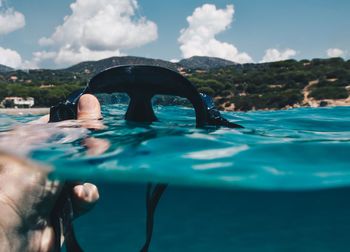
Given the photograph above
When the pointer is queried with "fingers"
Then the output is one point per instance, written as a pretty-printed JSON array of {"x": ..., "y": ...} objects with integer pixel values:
[{"x": 85, "y": 196}]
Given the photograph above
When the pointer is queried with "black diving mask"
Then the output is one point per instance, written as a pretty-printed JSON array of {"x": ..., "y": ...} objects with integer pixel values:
[{"x": 141, "y": 83}]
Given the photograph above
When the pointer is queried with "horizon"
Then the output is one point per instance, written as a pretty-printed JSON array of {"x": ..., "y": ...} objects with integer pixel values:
[{"x": 61, "y": 34}]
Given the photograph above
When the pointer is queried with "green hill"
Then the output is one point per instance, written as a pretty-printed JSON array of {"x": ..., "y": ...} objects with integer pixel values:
[
  {"x": 242, "y": 87},
  {"x": 276, "y": 85},
  {"x": 90, "y": 68},
  {"x": 205, "y": 63},
  {"x": 4, "y": 69},
  {"x": 83, "y": 71}
]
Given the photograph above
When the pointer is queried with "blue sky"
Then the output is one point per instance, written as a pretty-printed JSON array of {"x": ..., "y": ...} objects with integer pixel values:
[{"x": 60, "y": 33}]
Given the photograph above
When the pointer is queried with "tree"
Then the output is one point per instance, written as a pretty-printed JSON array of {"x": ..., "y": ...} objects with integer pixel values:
[
  {"x": 206, "y": 90},
  {"x": 329, "y": 92},
  {"x": 214, "y": 84},
  {"x": 3, "y": 91},
  {"x": 226, "y": 92},
  {"x": 9, "y": 104}
]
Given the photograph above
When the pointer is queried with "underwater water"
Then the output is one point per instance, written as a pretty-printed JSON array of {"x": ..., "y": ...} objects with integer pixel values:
[{"x": 279, "y": 184}]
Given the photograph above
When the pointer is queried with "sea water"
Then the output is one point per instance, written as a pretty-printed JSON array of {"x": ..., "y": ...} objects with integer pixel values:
[{"x": 279, "y": 184}]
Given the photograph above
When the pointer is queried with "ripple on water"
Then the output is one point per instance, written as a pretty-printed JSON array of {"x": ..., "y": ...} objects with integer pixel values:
[{"x": 303, "y": 148}]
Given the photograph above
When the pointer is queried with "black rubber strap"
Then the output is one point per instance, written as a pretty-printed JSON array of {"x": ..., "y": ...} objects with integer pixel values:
[
  {"x": 72, "y": 244},
  {"x": 62, "y": 221},
  {"x": 152, "y": 200}
]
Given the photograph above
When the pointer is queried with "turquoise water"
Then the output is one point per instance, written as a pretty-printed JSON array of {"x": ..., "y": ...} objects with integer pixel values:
[
  {"x": 280, "y": 184},
  {"x": 304, "y": 148}
]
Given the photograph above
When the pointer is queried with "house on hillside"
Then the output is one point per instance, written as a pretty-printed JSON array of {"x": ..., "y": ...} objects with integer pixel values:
[
  {"x": 47, "y": 86},
  {"x": 13, "y": 78},
  {"x": 18, "y": 102}
]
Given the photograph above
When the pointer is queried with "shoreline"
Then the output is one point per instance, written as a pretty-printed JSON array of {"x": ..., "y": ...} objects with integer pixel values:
[
  {"x": 287, "y": 108},
  {"x": 25, "y": 111},
  {"x": 44, "y": 111},
  {"x": 307, "y": 103}
]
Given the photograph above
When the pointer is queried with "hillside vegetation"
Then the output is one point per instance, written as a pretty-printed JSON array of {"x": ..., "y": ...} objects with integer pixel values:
[
  {"x": 275, "y": 85},
  {"x": 244, "y": 87}
]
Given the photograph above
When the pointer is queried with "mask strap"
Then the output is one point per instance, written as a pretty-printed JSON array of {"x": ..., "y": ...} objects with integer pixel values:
[{"x": 152, "y": 200}]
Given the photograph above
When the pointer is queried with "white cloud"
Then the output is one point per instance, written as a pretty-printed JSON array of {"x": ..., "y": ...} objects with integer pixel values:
[
  {"x": 10, "y": 21},
  {"x": 43, "y": 55},
  {"x": 13, "y": 59},
  {"x": 68, "y": 55},
  {"x": 98, "y": 29},
  {"x": 37, "y": 58},
  {"x": 10, "y": 58},
  {"x": 335, "y": 52},
  {"x": 273, "y": 54},
  {"x": 199, "y": 38}
]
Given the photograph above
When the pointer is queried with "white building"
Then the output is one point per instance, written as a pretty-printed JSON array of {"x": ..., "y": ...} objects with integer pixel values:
[{"x": 19, "y": 101}]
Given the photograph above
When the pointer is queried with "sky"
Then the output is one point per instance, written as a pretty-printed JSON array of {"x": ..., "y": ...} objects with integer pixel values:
[{"x": 60, "y": 33}]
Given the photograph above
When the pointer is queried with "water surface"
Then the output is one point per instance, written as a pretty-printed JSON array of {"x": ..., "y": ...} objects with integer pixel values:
[{"x": 279, "y": 184}]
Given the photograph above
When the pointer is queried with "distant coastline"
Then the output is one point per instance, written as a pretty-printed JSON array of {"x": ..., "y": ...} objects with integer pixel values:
[
  {"x": 234, "y": 87},
  {"x": 312, "y": 103},
  {"x": 25, "y": 111},
  {"x": 331, "y": 103},
  {"x": 307, "y": 102}
]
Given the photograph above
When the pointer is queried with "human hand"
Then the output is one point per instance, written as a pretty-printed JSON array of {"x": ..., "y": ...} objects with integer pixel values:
[
  {"x": 27, "y": 198},
  {"x": 85, "y": 197}
]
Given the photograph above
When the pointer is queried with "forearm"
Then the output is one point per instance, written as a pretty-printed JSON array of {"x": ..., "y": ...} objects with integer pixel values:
[
  {"x": 33, "y": 240},
  {"x": 10, "y": 226},
  {"x": 4, "y": 240},
  {"x": 26, "y": 200}
]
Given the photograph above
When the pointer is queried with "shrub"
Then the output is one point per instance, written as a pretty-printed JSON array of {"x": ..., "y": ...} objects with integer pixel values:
[
  {"x": 214, "y": 84},
  {"x": 336, "y": 73},
  {"x": 9, "y": 104},
  {"x": 243, "y": 103},
  {"x": 329, "y": 92},
  {"x": 340, "y": 83},
  {"x": 225, "y": 92},
  {"x": 268, "y": 100},
  {"x": 206, "y": 90},
  {"x": 196, "y": 82},
  {"x": 290, "y": 84},
  {"x": 323, "y": 83},
  {"x": 280, "y": 100}
]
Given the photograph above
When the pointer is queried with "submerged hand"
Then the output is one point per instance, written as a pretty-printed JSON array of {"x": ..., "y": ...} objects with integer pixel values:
[
  {"x": 85, "y": 196},
  {"x": 27, "y": 198}
]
